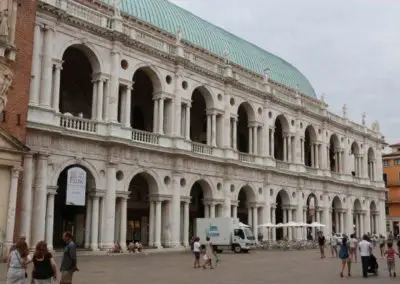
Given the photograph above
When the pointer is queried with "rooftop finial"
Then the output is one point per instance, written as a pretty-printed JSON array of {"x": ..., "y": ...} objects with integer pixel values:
[
  {"x": 322, "y": 99},
  {"x": 266, "y": 75},
  {"x": 363, "y": 116},
  {"x": 117, "y": 8},
  {"x": 178, "y": 35},
  {"x": 344, "y": 110},
  {"x": 225, "y": 55}
]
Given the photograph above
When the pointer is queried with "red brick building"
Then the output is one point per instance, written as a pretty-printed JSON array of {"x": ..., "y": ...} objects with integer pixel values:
[{"x": 17, "y": 21}]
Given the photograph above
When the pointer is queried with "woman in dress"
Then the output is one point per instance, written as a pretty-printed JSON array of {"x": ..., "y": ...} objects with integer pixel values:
[
  {"x": 17, "y": 263},
  {"x": 344, "y": 256},
  {"x": 353, "y": 248},
  {"x": 45, "y": 268}
]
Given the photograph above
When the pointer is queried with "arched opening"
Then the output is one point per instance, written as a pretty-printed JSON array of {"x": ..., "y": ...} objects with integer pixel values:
[
  {"x": 358, "y": 218},
  {"x": 142, "y": 104},
  {"x": 334, "y": 154},
  {"x": 280, "y": 146},
  {"x": 373, "y": 209},
  {"x": 74, "y": 183},
  {"x": 245, "y": 213},
  {"x": 371, "y": 164},
  {"x": 198, "y": 117},
  {"x": 76, "y": 87},
  {"x": 243, "y": 137},
  {"x": 337, "y": 216},
  {"x": 281, "y": 213},
  {"x": 355, "y": 155},
  {"x": 310, "y": 137},
  {"x": 141, "y": 211},
  {"x": 311, "y": 214},
  {"x": 198, "y": 209}
]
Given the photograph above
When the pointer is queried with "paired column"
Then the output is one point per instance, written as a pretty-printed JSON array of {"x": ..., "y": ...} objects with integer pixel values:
[
  {"x": 186, "y": 224},
  {"x": 112, "y": 94},
  {"x": 157, "y": 229},
  {"x": 158, "y": 115},
  {"x": 34, "y": 89},
  {"x": 255, "y": 222},
  {"x": 273, "y": 221},
  {"x": 234, "y": 211},
  {"x": 122, "y": 225},
  {"x": 187, "y": 123},
  {"x": 151, "y": 223},
  {"x": 272, "y": 144},
  {"x": 127, "y": 97},
  {"x": 50, "y": 217},
  {"x": 47, "y": 68},
  {"x": 27, "y": 197},
  {"x": 234, "y": 122},
  {"x": 88, "y": 221},
  {"x": 109, "y": 207},
  {"x": 39, "y": 212},
  {"x": 56, "y": 85},
  {"x": 94, "y": 232},
  {"x": 12, "y": 205}
]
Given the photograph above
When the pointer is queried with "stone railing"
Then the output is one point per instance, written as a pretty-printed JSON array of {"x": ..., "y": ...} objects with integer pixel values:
[
  {"x": 145, "y": 137},
  {"x": 78, "y": 123},
  {"x": 247, "y": 158},
  {"x": 201, "y": 148}
]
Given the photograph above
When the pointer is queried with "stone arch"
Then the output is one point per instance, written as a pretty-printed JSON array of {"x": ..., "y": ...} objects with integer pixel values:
[
  {"x": 70, "y": 162},
  {"x": 284, "y": 195},
  {"x": 337, "y": 203},
  {"x": 88, "y": 49},
  {"x": 281, "y": 213},
  {"x": 152, "y": 72},
  {"x": 151, "y": 177},
  {"x": 206, "y": 186},
  {"x": 334, "y": 148},
  {"x": 206, "y": 93},
  {"x": 250, "y": 112},
  {"x": 281, "y": 128},
  {"x": 246, "y": 115},
  {"x": 357, "y": 204},
  {"x": 337, "y": 219},
  {"x": 355, "y": 154},
  {"x": 310, "y": 137},
  {"x": 355, "y": 148},
  {"x": 249, "y": 191},
  {"x": 372, "y": 206},
  {"x": 371, "y": 154}
]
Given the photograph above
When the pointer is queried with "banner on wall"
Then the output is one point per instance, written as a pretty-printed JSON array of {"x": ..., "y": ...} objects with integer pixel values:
[
  {"x": 76, "y": 187},
  {"x": 311, "y": 206}
]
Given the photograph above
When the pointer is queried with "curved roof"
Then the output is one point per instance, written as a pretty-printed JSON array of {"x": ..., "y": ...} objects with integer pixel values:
[{"x": 170, "y": 17}]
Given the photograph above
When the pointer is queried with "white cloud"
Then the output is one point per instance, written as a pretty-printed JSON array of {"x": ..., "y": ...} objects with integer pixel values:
[{"x": 348, "y": 49}]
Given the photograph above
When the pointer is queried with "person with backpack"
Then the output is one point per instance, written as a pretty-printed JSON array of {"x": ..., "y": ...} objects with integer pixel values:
[
  {"x": 44, "y": 266},
  {"x": 344, "y": 255}
]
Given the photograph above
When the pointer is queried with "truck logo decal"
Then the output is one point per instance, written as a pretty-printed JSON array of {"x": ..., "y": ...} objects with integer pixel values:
[{"x": 212, "y": 231}]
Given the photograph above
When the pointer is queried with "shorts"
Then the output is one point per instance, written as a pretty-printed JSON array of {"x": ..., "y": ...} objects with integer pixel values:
[
  {"x": 66, "y": 276},
  {"x": 391, "y": 265},
  {"x": 197, "y": 255}
]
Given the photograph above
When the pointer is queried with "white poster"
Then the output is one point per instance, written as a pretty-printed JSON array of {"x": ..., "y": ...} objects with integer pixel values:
[{"x": 76, "y": 187}]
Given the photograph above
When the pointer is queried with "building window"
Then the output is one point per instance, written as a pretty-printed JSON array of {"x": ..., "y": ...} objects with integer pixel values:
[
  {"x": 3, "y": 116},
  {"x": 386, "y": 163},
  {"x": 385, "y": 179},
  {"x": 397, "y": 162}
]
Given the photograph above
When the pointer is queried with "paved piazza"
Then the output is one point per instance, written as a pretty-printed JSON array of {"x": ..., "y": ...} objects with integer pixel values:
[{"x": 253, "y": 268}]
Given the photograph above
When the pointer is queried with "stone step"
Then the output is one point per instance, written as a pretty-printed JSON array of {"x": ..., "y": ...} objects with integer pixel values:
[{"x": 59, "y": 252}]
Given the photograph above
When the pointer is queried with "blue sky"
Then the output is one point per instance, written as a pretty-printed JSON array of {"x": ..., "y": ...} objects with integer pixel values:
[{"x": 348, "y": 49}]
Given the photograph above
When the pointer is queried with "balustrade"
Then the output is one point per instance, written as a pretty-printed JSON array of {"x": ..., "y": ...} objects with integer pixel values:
[
  {"x": 78, "y": 123},
  {"x": 145, "y": 137}
]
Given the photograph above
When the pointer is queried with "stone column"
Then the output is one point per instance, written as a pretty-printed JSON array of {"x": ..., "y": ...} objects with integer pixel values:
[
  {"x": 122, "y": 228},
  {"x": 341, "y": 215},
  {"x": 272, "y": 144},
  {"x": 234, "y": 134},
  {"x": 299, "y": 215},
  {"x": 186, "y": 224},
  {"x": 357, "y": 224},
  {"x": 250, "y": 147},
  {"x": 152, "y": 223},
  {"x": 128, "y": 105},
  {"x": 273, "y": 221},
  {"x": 255, "y": 140},
  {"x": 109, "y": 207},
  {"x": 284, "y": 215},
  {"x": 39, "y": 210},
  {"x": 285, "y": 149},
  {"x": 161, "y": 116},
  {"x": 290, "y": 233},
  {"x": 267, "y": 218},
  {"x": 94, "y": 98},
  {"x": 212, "y": 210},
  {"x": 56, "y": 86},
  {"x": 206, "y": 210},
  {"x": 113, "y": 91},
  {"x": 100, "y": 100},
  {"x": 302, "y": 151},
  {"x": 214, "y": 130},
  {"x": 255, "y": 222},
  {"x": 317, "y": 155},
  {"x": 88, "y": 222},
  {"x": 362, "y": 221},
  {"x": 249, "y": 216},
  {"x": 157, "y": 229},
  {"x": 50, "y": 218},
  {"x": 209, "y": 126},
  {"x": 234, "y": 211},
  {"x": 27, "y": 197},
  {"x": 47, "y": 68},
  {"x": 187, "y": 124},
  {"x": 289, "y": 143},
  {"x": 175, "y": 211},
  {"x": 94, "y": 234},
  {"x": 35, "y": 73},
  {"x": 12, "y": 205}
]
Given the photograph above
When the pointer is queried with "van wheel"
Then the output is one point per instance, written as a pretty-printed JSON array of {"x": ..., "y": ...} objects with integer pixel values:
[
  {"x": 245, "y": 251},
  {"x": 237, "y": 249}
]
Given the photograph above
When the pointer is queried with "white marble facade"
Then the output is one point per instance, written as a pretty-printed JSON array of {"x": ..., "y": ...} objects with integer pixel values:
[{"x": 343, "y": 170}]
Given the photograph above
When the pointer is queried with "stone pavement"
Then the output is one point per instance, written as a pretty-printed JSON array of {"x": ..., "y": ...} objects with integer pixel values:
[{"x": 256, "y": 267}]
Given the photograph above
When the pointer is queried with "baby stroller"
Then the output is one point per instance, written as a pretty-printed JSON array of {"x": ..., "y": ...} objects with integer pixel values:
[{"x": 373, "y": 265}]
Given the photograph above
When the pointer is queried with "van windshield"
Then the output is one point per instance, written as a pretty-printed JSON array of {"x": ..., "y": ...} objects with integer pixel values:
[{"x": 249, "y": 234}]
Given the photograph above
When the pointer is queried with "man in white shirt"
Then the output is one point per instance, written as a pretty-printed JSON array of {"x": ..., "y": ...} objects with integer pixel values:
[{"x": 365, "y": 248}]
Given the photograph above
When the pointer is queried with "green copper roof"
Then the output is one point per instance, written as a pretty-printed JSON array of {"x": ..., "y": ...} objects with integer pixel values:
[{"x": 169, "y": 17}]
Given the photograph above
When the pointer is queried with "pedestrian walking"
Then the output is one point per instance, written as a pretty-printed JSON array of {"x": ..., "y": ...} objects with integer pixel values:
[
  {"x": 69, "y": 261},
  {"x": 44, "y": 266},
  {"x": 353, "y": 247},
  {"x": 390, "y": 257},
  {"x": 344, "y": 256},
  {"x": 381, "y": 244},
  {"x": 196, "y": 252},
  {"x": 209, "y": 254},
  {"x": 17, "y": 263},
  {"x": 334, "y": 244},
  {"x": 321, "y": 243},
  {"x": 365, "y": 249}
]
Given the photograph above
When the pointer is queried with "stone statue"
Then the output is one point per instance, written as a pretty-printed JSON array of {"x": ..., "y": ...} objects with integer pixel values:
[
  {"x": 322, "y": 99},
  {"x": 4, "y": 24},
  {"x": 225, "y": 55},
  {"x": 363, "y": 118},
  {"x": 5, "y": 82},
  {"x": 266, "y": 75},
  {"x": 117, "y": 8},
  {"x": 344, "y": 110},
  {"x": 375, "y": 126},
  {"x": 178, "y": 36}
]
